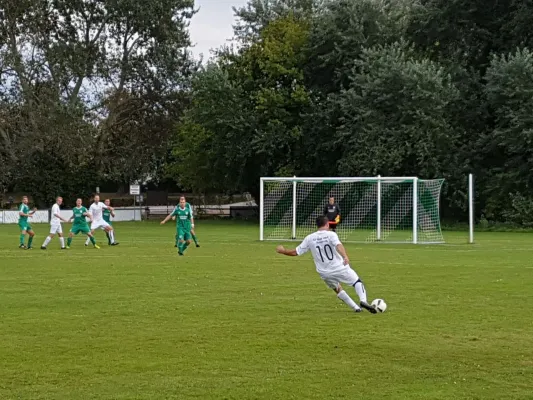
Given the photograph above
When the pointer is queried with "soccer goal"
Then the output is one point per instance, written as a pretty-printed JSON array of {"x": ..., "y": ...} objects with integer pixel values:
[{"x": 375, "y": 209}]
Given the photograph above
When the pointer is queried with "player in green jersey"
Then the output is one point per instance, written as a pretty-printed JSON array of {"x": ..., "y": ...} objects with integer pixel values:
[
  {"x": 193, "y": 233},
  {"x": 107, "y": 214},
  {"x": 79, "y": 213},
  {"x": 184, "y": 220},
  {"x": 24, "y": 225}
]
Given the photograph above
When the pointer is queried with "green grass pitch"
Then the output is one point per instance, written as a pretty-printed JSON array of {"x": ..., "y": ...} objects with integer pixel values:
[{"x": 233, "y": 320}]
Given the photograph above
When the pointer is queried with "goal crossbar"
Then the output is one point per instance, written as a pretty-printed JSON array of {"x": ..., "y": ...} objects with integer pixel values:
[{"x": 340, "y": 180}]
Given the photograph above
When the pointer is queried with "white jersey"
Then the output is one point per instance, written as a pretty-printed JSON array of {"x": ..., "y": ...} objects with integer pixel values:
[
  {"x": 323, "y": 247},
  {"x": 96, "y": 211},
  {"x": 55, "y": 210}
]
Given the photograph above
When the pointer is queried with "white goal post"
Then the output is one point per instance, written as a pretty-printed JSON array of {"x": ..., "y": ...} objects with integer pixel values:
[{"x": 372, "y": 209}]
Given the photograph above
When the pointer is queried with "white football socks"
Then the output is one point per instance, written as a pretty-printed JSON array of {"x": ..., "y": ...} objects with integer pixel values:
[
  {"x": 348, "y": 300},
  {"x": 87, "y": 241},
  {"x": 46, "y": 241},
  {"x": 360, "y": 290},
  {"x": 49, "y": 239}
]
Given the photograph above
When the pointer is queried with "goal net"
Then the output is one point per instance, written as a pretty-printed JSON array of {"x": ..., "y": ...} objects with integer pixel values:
[{"x": 376, "y": 209}]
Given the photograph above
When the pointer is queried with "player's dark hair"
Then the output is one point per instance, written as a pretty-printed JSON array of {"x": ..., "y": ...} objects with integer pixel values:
[
  {"x": 182, "y": 197},
  {"x": 321, "y": 221}
]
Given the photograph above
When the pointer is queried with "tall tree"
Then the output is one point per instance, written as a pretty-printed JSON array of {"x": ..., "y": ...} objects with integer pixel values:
[
  {"x": 339, "y": 32},
  {"x": 395, "y": 116},
  {"x": 508, "y": 90},
  {"x": 66, "y": 62},
  {"x": 245, "y": 121},
  {"x": 211, "y": 146},
  {"x": 257, "y": 14},
  {"x": 467, "y": 32}
]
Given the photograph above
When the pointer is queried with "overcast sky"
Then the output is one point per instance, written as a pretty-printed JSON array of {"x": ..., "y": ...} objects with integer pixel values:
[{"x": 212, "y": 25}]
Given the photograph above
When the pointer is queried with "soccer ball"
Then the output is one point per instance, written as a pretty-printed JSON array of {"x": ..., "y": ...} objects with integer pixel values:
[{"x": 379, "y": 305}]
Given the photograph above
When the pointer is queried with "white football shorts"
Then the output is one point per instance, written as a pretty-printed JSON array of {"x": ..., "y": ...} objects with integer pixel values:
[
  {"x": 346, "y": 275},
  {"x": 101, "y": 224},
  {"x": 56, "y": 228}
]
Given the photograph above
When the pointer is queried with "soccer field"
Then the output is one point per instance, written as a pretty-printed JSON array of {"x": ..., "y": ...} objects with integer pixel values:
[{"x": 234, "y": 320}]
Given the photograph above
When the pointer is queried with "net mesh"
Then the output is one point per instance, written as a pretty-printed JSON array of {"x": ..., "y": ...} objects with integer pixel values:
[
  {"x": 12, "y": 217},
  {"x": 278, "y": 210},
  {"x": 358, "y": 203},
  {"x": 429, "y": 228}
]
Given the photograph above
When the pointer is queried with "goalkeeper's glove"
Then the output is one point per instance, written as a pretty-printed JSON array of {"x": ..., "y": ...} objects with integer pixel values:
[{"x": 337, "y": 219}]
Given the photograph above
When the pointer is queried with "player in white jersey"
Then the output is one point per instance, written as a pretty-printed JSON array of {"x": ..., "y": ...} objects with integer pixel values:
[
  {"x": 332, "y": 263},
  {"x": 55, "y": 225},
  {"x": 96, "y": 211}
]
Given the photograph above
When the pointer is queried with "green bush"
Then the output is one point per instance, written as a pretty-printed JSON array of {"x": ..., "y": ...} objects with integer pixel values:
[{"x": 520, "y": 211}]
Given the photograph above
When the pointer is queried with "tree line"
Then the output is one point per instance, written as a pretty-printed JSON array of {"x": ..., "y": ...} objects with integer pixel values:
[
  {"x": 90, "y": 91},
  {"x": 431, "y": 88}
]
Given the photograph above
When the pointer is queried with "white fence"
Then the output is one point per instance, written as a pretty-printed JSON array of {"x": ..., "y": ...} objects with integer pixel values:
[
  {"x": 43, "y": 216},
  {"x": 124, "y": 213},
  {"x": 198, "y": 210}
]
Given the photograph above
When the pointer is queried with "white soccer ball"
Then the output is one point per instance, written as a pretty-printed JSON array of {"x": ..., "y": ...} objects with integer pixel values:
[{"x": 379, "y": 305}]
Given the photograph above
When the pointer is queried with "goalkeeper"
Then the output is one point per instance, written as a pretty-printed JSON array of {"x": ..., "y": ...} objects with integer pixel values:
[{"x": 333, "y": 212}]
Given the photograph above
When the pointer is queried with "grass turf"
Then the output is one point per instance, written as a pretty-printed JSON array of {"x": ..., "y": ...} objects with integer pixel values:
[{"x": 233, "y": 320}]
